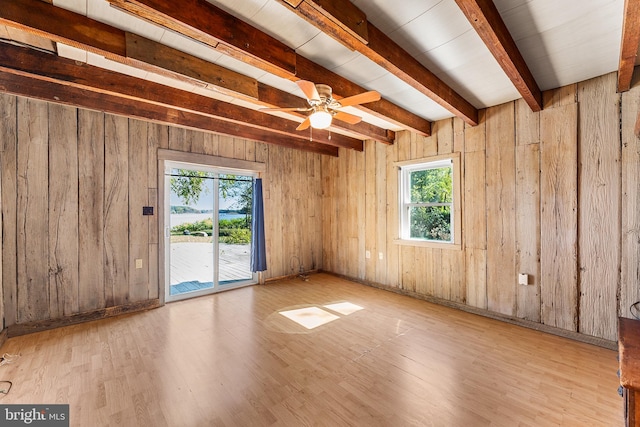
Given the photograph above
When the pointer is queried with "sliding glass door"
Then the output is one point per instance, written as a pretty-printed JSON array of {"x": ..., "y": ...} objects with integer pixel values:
[{"x": 207, "y": 230}]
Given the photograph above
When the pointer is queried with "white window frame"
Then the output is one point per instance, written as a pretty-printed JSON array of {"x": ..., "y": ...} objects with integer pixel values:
[{"x": 404, "y": 200}]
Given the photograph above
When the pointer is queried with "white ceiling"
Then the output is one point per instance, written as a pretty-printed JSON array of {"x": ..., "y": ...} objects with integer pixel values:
[{"x": 562, "y": 41}]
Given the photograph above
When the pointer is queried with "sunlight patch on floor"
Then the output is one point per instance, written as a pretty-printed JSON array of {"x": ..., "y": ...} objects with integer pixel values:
[
  {"x": 309, "y": 317},
  {"x": 344, "y": 308}
]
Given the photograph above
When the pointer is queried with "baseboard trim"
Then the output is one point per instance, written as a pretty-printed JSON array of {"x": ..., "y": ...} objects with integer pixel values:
[
  {"x": 102, "y": 313},
  {"x": 576, "y": 336},
  {"x": 293, "y": 276}
]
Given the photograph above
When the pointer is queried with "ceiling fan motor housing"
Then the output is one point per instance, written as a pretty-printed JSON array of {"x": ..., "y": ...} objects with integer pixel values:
[{"x": 325, "y": 93}]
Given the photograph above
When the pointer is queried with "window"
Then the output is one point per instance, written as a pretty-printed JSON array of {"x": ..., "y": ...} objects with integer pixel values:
[{"x": 428, "y": 201}]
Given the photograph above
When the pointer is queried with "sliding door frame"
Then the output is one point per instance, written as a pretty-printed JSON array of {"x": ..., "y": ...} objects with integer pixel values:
[{"x": 255, "y": 169}]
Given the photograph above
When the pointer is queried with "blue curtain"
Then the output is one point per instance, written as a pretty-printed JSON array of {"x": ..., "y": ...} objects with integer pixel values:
[{"x": 258, "y": 247}]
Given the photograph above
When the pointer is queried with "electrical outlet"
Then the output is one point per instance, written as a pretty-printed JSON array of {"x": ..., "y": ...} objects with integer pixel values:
[
  {"x": 380, "y": 255},
  {"x": 367, "y": 254},
  {"x": 523, "y": 279},
  {"x": 139, "y": 263}
]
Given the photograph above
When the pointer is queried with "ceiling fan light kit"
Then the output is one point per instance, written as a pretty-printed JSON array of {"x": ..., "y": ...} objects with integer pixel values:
[{"x": 320, "y": 119}]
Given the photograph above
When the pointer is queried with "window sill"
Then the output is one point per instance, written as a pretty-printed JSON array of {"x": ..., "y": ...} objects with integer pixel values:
[{"x": 429, "y": 244}]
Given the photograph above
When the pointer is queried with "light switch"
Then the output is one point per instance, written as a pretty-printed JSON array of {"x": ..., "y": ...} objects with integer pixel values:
[{"x": 139, "y": 263}]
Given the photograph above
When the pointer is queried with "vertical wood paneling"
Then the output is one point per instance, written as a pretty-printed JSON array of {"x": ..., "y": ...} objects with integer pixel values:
[
  {"x": 458, "y": 135},
  {"x": 475, "y": 136},
  {"x": 91, "y": 209},
  {"x": 239, "y": 148},
  {"x": 452, "y": 284},
  {"x": 226, "y": 146},
  {"x": 630, "y": 245},
  {"x": 116, "y": 210},
  {"x": 500, "y": 196},
  {"x": 405, "y": 254},
  {"x": 276, "y": 221},
  {"x": 565, "y": 95},
  {"x": 370, "y": 211},
  {"x": 211, "y": 142},
  {"x": 63, "y": 211},
  {"x": 360, "y": 211},
  {"x": 32, "y": 207},
  {"x": 528, "y": 229},
  {"x": 250, "y": 151},
  {"x": 178, "y": 139},
  {"x": 8, "y": 174},
  {"x": 475, "y": 217},
  {"x": 527, "y": 124},
  {"x": 392, "y": 251},
  {"x": 157, "y": 137},
  {"x": 476, "y": 269},
  {"x": 475, "y": 226},
  {"x": 138, "y": 224},
  {"x": 558, "y": 216},
  {"x": 80, "y": 178},
  {"x": 599, "y": 206},
  {"x": 195, "y": 140},
  {"x": 328, "y": 211},
  {"x": 381, "y": 212}
]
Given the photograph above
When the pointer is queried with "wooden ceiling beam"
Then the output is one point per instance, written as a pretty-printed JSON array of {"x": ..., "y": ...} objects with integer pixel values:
[
  {"x": 85, "y": 33},
  {"x": 486, "y": 20},
  {"x": 43, "y": 66},
  {"x": 211, "y": 25},
  {"x": 233, "y": 37},
  {"x": 68, "y": 95},
  {"x": 629, "y": 43},
  {"x": 340, "y": 19}
]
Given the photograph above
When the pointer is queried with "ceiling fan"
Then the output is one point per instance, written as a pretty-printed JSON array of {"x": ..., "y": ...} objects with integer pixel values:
[{"x": 324, "y": 108}]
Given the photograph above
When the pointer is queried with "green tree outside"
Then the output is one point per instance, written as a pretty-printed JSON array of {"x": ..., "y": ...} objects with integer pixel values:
[{"x": 431, "y": 186}]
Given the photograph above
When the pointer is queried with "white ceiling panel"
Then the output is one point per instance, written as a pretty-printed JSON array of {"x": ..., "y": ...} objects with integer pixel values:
[
  {"x": 102, "y": 11},
  {"x": 71, "y": 52},
  {"x": 280, "y": 83},
  {"x": 316, "y": 50},
  {"x": 361, "y": 70},
  {"x": 244, "y": 9},
  {"x": 102, "y": 62},
  {"x": 388, "y": 19},
  {"x": 412, "y": 100},
  {"x": 77, "y": 6},
  {"x": 240, "y": 67},
  {"x": 438, "y": 26},
  {"x": 482, "y": 88},
  {"x": 468, "y": 48},
  {"x": 279, "y": 22}
]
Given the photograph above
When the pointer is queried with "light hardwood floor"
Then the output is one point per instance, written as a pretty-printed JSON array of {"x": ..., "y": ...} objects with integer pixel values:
[{"x": 231, "y": 359}]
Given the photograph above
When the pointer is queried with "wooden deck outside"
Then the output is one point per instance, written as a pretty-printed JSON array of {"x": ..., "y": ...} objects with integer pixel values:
[{"x": 192, "y": 264}]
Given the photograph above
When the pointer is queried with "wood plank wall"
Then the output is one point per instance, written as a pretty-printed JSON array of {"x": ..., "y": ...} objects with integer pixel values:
[
  {"x": 554, "y": 194},
  {"x": 73, "y": 183}
]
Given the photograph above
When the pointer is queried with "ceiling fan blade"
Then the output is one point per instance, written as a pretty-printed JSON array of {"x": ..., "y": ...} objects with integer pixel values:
[
  {"x": 362, "y": 98},
  {"x": 346, "y": 117},
  {"x": 309, "y": 89},
  {"x": 286, "y": 109},
  {"x": 304, "y": 125}
]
